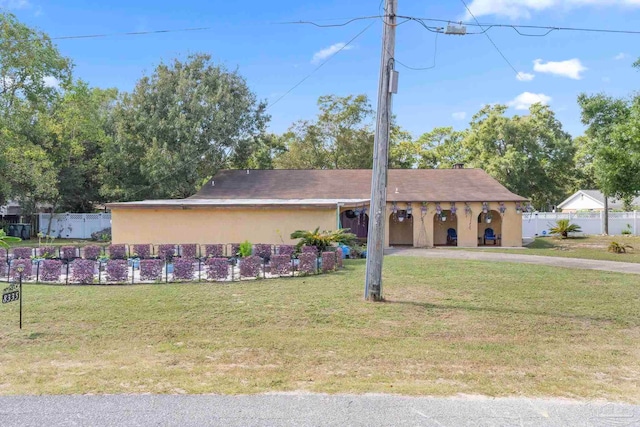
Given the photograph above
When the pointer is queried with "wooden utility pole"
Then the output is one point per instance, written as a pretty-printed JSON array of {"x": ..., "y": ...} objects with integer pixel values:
[{"x": 378, "y": 206}]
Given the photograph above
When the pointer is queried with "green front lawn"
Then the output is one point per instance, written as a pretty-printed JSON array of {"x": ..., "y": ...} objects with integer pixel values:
[
  {"x": 447, "y": 327},
  {"x": 33, "y": 243}
]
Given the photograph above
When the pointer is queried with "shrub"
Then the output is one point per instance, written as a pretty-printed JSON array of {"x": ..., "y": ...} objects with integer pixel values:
[
  {"x": 627, "y": 231},
  {"x": 68, "y": 253},
  {"x": 92, "y": 252},
  {"x": 339, "y": 255},
  {"x": 286, "y": 250},
  {"x": 307, "y": 264},
  {"x": 189, "y": 251},
  {"x": 563, "y": 228},
  {"x": 328, "y": 261},
  {"x": 3, "y": 267},
  {"x": 250, "y": 266},
  {"x": 47, "y": 252},
  {"x": 117, "y": 270},
  {"x": 619, "y": 248},
  {"x": 151, "y": 269},
  {"x": 3, "y": 254},
  {"x": 102, "y": 235},
  {"x": 245, "y": 249},
  {"x": 82, "y": 270},
  {"x": 166, "y": 252},
  {"x": 142, "y": 251},
  {"x": 50, "y": 270},
  {"x": 28, "y": 269},
  {"x": 22, "y": 253},
  {"x": 323, "y": 239},
  {"x": 217, "y": 268},
  {"x": 117, "y": 252},
  {"x": 235, "y": 249},
  {"x": 281, "y": 265},
  {"x": 263, "y": 251},
  {"x": 214, "y": 251},
  {"x": 183, "y": 269},
  {"x": 309, "y": 250}
]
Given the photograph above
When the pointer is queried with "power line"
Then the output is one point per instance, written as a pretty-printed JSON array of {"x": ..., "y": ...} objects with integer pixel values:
[
  {"x": 435, "y": 53},
  {"x": 491, "y": 40},
  {"x": 132, "y": 33}
]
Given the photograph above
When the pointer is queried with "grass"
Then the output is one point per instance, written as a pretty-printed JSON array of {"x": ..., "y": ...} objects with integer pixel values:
[
  {"x": 447, "y": 327},
  {"x": 587, "y": 247},
  {"x": 33, "y": 243}
]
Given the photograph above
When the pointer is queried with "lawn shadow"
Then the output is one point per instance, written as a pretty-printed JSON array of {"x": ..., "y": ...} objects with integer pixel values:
[{"x": 467, "y": 307}]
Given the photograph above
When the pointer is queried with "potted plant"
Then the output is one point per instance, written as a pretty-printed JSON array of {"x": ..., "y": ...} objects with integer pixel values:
[{"x": 244, "y": 250}]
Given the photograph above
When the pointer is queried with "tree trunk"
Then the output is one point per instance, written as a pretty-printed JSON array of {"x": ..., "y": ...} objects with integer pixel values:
[{"x": 606, "y": 215}]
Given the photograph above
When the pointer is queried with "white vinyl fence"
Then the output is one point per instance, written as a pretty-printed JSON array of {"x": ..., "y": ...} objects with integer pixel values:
[
  {"x": 74, "y": 225},
  {"x": 539, "y": 223}
]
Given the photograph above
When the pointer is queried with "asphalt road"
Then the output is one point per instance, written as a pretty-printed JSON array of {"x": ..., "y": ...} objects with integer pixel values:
[{"x": 307, "y": 410}]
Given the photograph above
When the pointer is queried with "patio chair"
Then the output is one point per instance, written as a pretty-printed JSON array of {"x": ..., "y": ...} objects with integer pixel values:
[
  {"x": 452, "y": 237},
  {"x": 490, "y": 235}
]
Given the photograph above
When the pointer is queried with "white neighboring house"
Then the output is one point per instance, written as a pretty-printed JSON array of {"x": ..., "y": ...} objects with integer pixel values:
[{"x": 591, "y": 200}]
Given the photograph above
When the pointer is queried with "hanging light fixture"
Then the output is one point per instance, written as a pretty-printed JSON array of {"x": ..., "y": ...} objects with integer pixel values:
[
  {"x": 453, "y": 209},
  {"x": 409, "y": 209},
  {"x": 518, "y": 208},
  {"x": 423, "y": 208},
  {"x": 502, "y": 208},
  {"x": 485, "y": 207}
]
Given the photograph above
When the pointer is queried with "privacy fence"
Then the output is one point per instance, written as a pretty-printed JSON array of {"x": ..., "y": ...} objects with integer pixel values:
[
  {"x": 123, "y": 264},
  {"x": 539, "y": 223},
  {"x": 73, "y": 225}
]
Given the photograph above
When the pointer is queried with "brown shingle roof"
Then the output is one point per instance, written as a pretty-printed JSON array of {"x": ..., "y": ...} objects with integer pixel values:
[{"x": 435, "y": 185}]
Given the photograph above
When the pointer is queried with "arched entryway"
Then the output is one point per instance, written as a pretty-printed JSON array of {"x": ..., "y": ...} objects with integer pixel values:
[
  {"x": 490, "y": 229},
  {"x": 445, "y": 229},
  {"x": 401, "y": 229},
  {"x": 356, "y": 221}
]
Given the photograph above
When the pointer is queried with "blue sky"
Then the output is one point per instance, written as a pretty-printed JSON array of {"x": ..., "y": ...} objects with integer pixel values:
[{"x": 469, "y": 72}]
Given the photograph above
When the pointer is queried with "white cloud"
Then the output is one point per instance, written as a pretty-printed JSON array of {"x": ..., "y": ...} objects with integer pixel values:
[
  {"x": 571, "y": 68},
  {"x": 527, "y": 99},
  {"x": 525, "y": 77},
  {"x": 516, "y": 9},
  {"x": 50, "y": 81},
  {"x": 621, "y": 56},
  {"x": 14, "y": 4},
  {"x": 328, "y": 51},
  {"x": 461, "y": 115}
]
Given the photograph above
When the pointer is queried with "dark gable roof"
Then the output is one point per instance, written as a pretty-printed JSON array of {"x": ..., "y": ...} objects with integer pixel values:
[{"x": 435, "y": 185}]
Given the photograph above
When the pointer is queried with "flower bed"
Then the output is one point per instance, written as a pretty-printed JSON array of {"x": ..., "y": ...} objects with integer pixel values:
[
  {"x": 214, "y": 251},
  {"x": 28, "y": 269},
  {"x": 142, "y": 251},
  {"x": 151, "y": 269},
  {"x": 3, "y": 267},
  {"x": 307, "y": 264},
  {"x": 250, "y": 266},
  {"x": 281, "y": 265},
  {"x": 263, "y": 251},
  {"x": 166, "y": 252},
  {"x": 217, "y": 268},
  {"x": 234, "y": 248},
  {"x": 22, "y": 253},
  {"x": 68, "y": 253},
  {"x": 117, "y": 271},
  {"x": 82, "y": 271},
  {"x": 328, "y": 261},
  {"x": 92, "y": 252},
  {"x": 189, "y": 251},
  {"x": 183, "y": 269},
  {"x": 117, "y": 252},
  {"x": 50, "y": 270},
  {"x": 309, "y": 250},
  {"x": 286, "y": 250},
  {"x": 46, "y": 252}
]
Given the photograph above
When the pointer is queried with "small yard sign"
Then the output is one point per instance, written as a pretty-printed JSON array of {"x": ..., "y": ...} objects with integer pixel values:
[{"x": 11, "y": 293}]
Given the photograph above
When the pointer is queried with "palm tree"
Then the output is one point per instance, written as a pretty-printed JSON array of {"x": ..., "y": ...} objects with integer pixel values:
[
  {"x": 563, "y": 228},
  {"x": 323, "y": 239}
]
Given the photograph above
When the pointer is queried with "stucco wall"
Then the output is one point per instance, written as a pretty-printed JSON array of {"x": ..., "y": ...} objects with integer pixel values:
[{"x": 216, "y": 225}]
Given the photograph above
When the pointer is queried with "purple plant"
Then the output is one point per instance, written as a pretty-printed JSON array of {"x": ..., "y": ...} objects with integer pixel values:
[
  {"x": 339, "y": 255},
  {"x": 47, "y": 252},
  {"x": 28, "y": 269},
  {"x": 142, "y": 251},
  {"x": 68, "y": 253},
  {"x": 213, "y": 251},
  {"x": 217, "y": 268},
  {"x": 328, "y": 261},
  {"x": 117, "y": 251},
  {"x": 92, "y": 252},
  {"x": 50, "y": 270},
  {"x": 309, "y": 250},
  {"x": 183, "y": 269},
  {"x": 151, "y": 269},
  {"x": 250, "y": 266},
  {"x": 262, "y": 250},
  {"x": 166, "y": 252},
  {"x": 117, "y": 270},
  {"x": 189, "y": 250},
  {"x": 82, "y": 270},
  {"x": 234, "y": 249},
  {"x": 286, "y": 250},
  {"x": 22, "y": 253},
  {"x": 307, "y": 264},
  {"x": 3, "y": 253},
  {"x": 3, "y": 266},
  {"x": 281, "y": 265}
]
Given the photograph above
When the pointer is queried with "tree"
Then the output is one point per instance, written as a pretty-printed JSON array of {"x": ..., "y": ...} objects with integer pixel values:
[
  {"x": 178, "y": 127},
  {"x": 442, "y": 148}
]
